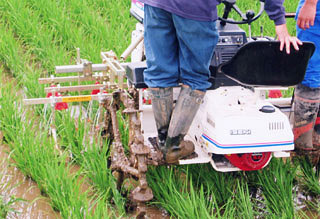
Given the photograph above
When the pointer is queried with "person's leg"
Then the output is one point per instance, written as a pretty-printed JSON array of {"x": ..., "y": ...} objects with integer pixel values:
[
  {"x": 161, "y": 47},
  {"x": 316, "y": 133},
  {"x": 197, "y": 41},
  {"x": 183, "y": 114},
  {"x": 306, "y": 106},
  {"x": 162, "y": 71},
  {"x": 307, "y": 102},
  {"x": 162, "y": 106}
]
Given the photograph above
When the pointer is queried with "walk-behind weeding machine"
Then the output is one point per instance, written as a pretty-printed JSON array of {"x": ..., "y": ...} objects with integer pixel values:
[{"x": 236, "y": 128}]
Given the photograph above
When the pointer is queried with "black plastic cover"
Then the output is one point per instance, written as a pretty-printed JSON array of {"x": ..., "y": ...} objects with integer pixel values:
[
  {"x": 261, "y": 63},
  {"x": 134, "y": 73}
]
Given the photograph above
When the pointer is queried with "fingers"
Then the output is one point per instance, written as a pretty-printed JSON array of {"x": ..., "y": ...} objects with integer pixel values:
[
  {"x": 305, "y": 23},
  {"x": 300, "y": 23},
  {"x": 296, "y": 42},
  {"x": 287, "y": 41},
  {"x": 312, "y": 22},
  {"x": 281, "y": 45}
]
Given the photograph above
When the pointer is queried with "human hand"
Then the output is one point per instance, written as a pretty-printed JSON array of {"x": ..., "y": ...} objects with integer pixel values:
[
  {"x": 307, "y": 14},
  {"x": 285, "y": 38}
]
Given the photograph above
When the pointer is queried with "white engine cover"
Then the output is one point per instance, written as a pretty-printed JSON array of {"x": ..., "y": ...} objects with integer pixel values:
[{"x": 230, "y": 121}]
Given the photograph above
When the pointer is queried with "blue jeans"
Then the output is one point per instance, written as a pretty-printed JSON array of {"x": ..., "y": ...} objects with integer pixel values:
[
  {"x": 178, "y": 50},
  {"x": 312, "y": 77}
]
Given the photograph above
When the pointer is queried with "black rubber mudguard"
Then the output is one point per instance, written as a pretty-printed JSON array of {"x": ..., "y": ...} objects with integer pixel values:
[{"x": 261, "y": 63}]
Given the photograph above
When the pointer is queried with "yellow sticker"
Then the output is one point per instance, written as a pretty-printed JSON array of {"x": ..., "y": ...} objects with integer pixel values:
[{"x": 76, "y": 99}]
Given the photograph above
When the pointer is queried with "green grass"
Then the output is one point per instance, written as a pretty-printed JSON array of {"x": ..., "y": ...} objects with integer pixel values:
[{"x": 37, "y": 35}]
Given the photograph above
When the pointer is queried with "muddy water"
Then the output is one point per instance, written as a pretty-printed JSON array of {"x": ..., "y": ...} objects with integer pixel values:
[{"x": 14, "y": 183}]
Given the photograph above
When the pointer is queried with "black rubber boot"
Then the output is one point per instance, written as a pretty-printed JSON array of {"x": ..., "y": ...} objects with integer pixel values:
[
  {"x": 183, "y": 114},
  {"x": 162, "y": 105},
  {"x": 306, "y": 107}
]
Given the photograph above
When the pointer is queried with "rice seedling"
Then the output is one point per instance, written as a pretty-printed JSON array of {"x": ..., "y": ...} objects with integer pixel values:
[
  {"x": 175, "y": 191},
  {"x": 72, "y": 132},
  {"x": 6, "y": 203},
  {"x": 15, "y": 59},
  {"x": 90, "y": 154},
  {"x": 310, "y": 176},
  {"x": 276, "y": 182},
  {"x": 222, "y": 184},
  {"x": 35, "y": 156},
  {"x": 6, "y": 206},
  {"x": 35, "y": 39},
  {"x": 243, "y": 202},
  {"x": 95, "y": 163}
]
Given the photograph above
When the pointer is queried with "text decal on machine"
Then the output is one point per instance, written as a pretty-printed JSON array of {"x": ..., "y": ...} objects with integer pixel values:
[
  {"x": 240, "y": 132},
  {"x": 76, "y": 99}
]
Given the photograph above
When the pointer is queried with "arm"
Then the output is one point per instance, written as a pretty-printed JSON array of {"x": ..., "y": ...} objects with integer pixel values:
[
  {"x": 276, "y": 12},
  {"x": 307, "y": 14}
]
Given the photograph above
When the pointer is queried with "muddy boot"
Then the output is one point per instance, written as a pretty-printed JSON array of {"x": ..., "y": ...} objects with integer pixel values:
[
  {"x": 316, "y": 132},
  {"x": 316, "y": 137},
  {"x": 162, "y": 105},
  {"x": 186, "y": 108},
  {"x": 306, "y": 106}
]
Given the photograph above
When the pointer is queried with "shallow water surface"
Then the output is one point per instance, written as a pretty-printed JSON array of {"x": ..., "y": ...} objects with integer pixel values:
[{"x": 14, "y": 183}]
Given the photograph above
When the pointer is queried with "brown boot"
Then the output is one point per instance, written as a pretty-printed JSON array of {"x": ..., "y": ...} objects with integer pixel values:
[
  {"x": 175, "y": 152},
  {"x": 183, "y": 114}
]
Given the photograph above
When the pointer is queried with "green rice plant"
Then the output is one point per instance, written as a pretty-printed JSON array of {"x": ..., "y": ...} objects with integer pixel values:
[
  {"x": 72, "y": 24},
  {"x": 276, "y": 182},
  {"x": 176, "y": 192},
  {"x": 10, "y": 118},
  {"x": 46, "y": 36},
  {"x": 6, "y": 206},
  {"x": 26, "y": 24},
  {"x": 95, "y": 163},
  {"x": 35, "y": 156},
  {"x": 222, "y": 184},
  {"x": 310, "y": 177},
  {"x": 92, "y": 156},
  {"x": 6, "y": 203},
  {"x": 101, "y": 209},
  {"x": 15, "y": 59},
  {"x": 244, "y": 204},
  {"x": 73, "y": 132},
  {"x": 10, "y": 51}
]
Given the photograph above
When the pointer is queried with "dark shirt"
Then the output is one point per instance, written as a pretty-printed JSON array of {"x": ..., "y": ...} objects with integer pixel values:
[{"x": 206, "y": 10}]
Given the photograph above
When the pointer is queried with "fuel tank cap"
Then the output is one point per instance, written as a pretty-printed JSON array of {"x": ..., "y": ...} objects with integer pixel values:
[{"x": 267, "y": 109}]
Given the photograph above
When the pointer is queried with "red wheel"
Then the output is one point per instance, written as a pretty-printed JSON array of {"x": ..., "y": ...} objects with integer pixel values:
[{"x": 249, "y": 161}]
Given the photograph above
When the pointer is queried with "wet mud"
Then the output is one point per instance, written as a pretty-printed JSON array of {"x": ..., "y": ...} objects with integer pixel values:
[{"x": 14, "y": 183}]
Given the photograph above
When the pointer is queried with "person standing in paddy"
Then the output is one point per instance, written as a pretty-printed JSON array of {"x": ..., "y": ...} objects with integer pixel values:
[
  {"x": 180, "y": 38},
  {"x": 307, "y": 94}
]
